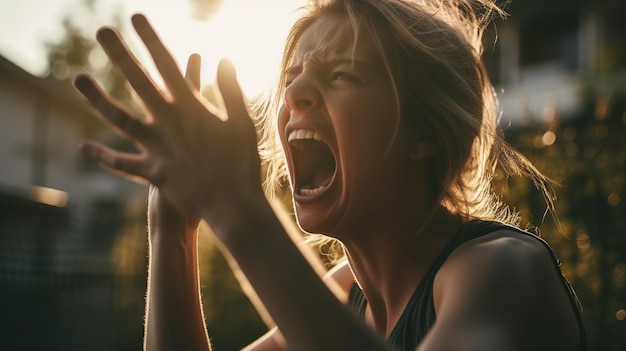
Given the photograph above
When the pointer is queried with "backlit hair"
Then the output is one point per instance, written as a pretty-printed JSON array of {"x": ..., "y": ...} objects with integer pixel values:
[{"x": 432, "y": 52}]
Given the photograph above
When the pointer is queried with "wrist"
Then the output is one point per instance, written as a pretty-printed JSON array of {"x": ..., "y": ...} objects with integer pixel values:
[{"x": 171, "y": 232}]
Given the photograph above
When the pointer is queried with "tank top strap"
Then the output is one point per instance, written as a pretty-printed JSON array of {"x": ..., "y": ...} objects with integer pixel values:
[
  {"x": 419, "y": 314},
  {"x": 357, "y": 301}
]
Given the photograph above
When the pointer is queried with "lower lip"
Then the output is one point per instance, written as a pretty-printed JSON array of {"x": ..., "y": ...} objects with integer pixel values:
[{"x": 312, "y": 194}]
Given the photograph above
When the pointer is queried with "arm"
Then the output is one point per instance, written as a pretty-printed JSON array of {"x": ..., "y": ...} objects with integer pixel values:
[
  {"x": 174, "y": 312},
  {"x": 308, "y": 315},
  {"x": 339, "y": 279},
  {"x": 174, "y": 319},
  {"x": 501, "y": 292},
  {"x": 207, "y": 166}
]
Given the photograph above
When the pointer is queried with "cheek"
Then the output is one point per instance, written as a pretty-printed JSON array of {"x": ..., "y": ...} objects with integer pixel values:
[
  {"x": 283, "y": 118},
  {"x": 371, "y": 125}
]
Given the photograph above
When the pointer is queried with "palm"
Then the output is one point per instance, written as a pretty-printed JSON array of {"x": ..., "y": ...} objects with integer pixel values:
[{"x": 195, "y": 157}]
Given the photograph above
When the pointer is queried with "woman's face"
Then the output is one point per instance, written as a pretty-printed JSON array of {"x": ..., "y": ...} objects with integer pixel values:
[{"x": 338, "y": 127}]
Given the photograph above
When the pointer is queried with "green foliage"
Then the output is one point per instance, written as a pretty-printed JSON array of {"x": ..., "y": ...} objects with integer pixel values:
[
  {"x": 77, "y": 51},
  {"x": 586, "y": 154}
]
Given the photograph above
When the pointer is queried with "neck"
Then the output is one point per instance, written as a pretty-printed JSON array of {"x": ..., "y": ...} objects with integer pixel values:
[{"x": 389, "y": 264}]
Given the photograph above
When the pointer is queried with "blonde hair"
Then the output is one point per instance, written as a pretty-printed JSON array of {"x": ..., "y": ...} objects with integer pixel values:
[{"x": 432, "y": 50}]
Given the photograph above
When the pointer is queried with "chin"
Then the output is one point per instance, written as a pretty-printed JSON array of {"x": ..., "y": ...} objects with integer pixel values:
[{"x": 315, "y": 223}]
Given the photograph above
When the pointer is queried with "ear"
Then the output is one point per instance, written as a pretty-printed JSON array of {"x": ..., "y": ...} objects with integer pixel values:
[{"x": 421, "y": 149}]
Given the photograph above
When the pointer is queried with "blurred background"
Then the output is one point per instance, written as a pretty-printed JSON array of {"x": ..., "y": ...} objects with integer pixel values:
[{"x": 73, "y": 237}]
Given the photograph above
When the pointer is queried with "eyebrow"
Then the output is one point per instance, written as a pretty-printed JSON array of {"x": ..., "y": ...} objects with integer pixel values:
[{"x": 333, "y": 62}]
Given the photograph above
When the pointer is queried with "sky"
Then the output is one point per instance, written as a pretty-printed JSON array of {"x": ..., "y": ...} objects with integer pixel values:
[{"x": 250, "y": 32}]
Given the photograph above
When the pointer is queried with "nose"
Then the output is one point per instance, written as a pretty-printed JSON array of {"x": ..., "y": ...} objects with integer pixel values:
[{"x": 302, "y": 94}]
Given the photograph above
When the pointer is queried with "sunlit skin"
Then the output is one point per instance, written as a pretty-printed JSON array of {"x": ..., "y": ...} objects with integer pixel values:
[
  {"x": 370, "y": 202},
  {"x": 373, "y": 197},
  {"x": 203, "y": 164},
  {"x": 347, "y": 98}
]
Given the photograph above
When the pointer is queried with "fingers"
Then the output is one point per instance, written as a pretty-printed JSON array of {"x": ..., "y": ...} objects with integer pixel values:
[
  {"x": 192, "y": 75},
  {"x": 128, "y": 164},
  {"x": 234, "y": 101},
  {"x": 162, "y": 58},
  {"x": 109, "y": 109},
  {"x": 120, "y": 55}
]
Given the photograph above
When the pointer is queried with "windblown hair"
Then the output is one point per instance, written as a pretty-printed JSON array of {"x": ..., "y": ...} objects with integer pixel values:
[{"x": 432, "y": 51}]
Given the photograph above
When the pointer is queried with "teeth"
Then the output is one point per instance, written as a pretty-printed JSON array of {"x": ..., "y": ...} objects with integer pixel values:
[
  {"x": 303, "y": 134},
  {"x": 312, "y": 191},
  {"x": 293, "y": 138}
]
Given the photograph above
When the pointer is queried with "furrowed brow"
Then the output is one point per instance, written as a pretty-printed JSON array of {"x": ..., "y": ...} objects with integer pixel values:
[{"x": 347, "y": 60}]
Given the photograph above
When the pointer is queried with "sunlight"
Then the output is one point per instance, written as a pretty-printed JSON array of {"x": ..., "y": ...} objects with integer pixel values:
[
  {"x": 252, "y": 36},
  {"x": 250, "y": 33}
]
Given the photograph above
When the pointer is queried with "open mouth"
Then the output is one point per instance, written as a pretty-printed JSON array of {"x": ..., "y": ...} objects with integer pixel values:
[{"x": 313, "y": 161}]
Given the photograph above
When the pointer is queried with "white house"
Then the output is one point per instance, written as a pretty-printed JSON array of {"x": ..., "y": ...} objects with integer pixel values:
[
  {"x": 42, "y": 123},
  {"x": 549, "y": 54},
  {"x": 60, "y": 217}
]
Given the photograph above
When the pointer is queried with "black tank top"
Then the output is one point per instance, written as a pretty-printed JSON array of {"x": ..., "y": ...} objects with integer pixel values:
[{"x": 419, "y": 314}]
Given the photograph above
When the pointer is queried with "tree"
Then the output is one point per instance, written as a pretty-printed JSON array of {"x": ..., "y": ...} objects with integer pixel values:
[
  {"x": 586, "y": 154},
  {"x": 78, "y": 52}
]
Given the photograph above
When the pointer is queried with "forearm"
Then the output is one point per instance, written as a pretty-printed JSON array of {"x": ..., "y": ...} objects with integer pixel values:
[
  {"x": 308, "y": 315},
  {"x": 174, "y": 318}
]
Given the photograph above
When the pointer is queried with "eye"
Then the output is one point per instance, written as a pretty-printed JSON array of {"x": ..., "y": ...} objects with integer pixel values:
[
  {"x": 339, "y": 75},
  {"x": 344, "y": 77}
]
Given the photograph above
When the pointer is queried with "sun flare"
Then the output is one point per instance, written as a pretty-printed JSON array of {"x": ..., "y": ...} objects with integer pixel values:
[{"x": 250, "y": 33}]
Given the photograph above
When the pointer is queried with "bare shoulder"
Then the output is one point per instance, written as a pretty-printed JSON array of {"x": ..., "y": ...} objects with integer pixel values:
[
  {"x": 499, "y": 262},
  {"x": 510, "y": 279},
  {"x": 502, "y": 249}
]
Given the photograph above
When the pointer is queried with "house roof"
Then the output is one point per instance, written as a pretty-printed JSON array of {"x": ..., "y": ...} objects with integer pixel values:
[{"x": 49, "y": 86}]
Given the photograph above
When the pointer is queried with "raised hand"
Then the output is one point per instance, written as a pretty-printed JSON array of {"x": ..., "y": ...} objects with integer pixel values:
[
  {"x": 163, "y": 217},
  {"x": 200, "y": 159}
]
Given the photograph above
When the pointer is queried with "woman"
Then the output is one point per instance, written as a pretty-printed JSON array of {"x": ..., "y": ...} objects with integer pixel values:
[{"x": 387, "y": 122}]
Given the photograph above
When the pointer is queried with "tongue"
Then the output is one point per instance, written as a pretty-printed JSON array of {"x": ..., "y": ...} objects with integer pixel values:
[
  {"x": 322, "y": 175},
  {"x": 315, "y": 165}
]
